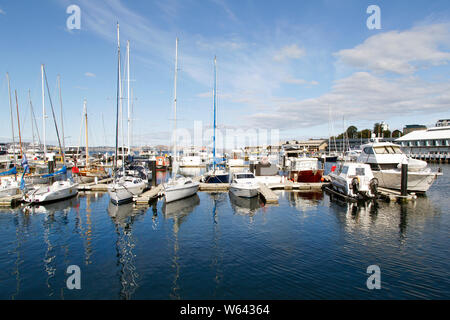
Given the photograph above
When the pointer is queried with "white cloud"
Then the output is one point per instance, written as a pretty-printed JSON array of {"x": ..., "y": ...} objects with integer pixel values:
[
  {"x": 400, "y": 52},
  {"x": 289, "y": 52},
  {"x": 361, "y": 96},
  {"x": 300, "y": 81},
  {"x": 90, "y": 74},
  {"x": 2, "y": 12}
]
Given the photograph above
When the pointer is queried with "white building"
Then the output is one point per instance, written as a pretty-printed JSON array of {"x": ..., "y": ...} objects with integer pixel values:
[{"x": 432, "y": 144}]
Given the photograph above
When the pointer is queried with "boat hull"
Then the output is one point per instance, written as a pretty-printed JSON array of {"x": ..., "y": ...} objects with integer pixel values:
[
  {"x": 119, "y": 194},
  {"x": 244, "y": 192},
  {"x": 306, "y": 175},
  {"x": 417, "y": 181},
  {"x": 52, "y": 196},
  {"x": 173, "y": 193},
  {"x": 218, "y": 178}
]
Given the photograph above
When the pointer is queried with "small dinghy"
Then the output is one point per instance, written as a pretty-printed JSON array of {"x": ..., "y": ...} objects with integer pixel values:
[
  {"x": 354, "y": 181},
  {"x": 244, "y": 185}
]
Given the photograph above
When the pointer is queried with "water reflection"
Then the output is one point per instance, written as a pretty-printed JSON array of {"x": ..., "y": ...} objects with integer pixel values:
[
  {"x": 244, "y": 206},
  {"x": 302, "y": 200},
  {"x": 123, "y": 217},
  {"x": 53, "y": 208},
  {"x": 379, "y": 216},
  {"x": 218, "y": 199},
  {"x": 178, "y": 211}
]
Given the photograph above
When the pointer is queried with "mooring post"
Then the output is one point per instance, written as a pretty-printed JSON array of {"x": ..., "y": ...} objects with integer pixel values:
[
  {"x": 152, "y": 165},
  {"x": 404, "y": 181}
]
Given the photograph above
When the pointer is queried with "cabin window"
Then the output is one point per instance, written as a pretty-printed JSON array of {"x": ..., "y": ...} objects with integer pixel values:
[
  {"x": 381, "y": 150},
  {"x": 344, "y": 170},
  {"x": 359, "y": 171},
  {"x": 368, "y": 150},
  {"x": 245, "y": 176}
]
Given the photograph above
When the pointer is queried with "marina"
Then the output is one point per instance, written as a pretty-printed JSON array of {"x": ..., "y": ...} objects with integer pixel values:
[
  {"x": 228, "y": 151},
  {"x": 236, "y": 246}
]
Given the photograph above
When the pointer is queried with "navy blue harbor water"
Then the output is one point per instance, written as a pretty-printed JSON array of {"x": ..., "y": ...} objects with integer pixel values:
[{"x": 216, "y": 246}]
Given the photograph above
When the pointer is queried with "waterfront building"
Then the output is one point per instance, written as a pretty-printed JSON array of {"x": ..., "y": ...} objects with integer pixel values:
[{"x": 432, "y": 144}]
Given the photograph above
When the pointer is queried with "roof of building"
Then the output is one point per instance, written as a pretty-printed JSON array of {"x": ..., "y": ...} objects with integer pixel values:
[
  {"x": 435, "y": 133},
  {"x": 415, "y": 126}
]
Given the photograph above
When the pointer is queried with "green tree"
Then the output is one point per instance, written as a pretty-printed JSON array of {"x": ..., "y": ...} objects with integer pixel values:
[
  {"x": 396, "y": 134},
  {"x": 352, "y": 132}
]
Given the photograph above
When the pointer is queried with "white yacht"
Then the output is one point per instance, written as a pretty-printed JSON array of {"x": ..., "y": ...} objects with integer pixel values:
[
  {"x": 244, "y": 185},
  {"x": 179, "y": 188},
  {"x": 191, "y": 158},
  {"x": 59, "y": 190},
  {"x": 385, "y": 160},
  {"x": 125, "y": 188},
  {"x": 354, "y": 180}
]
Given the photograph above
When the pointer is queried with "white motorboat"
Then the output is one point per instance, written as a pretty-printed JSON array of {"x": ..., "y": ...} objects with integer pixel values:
[
  {"x": 125, "y": 188},
  {"x": 179, "y": 188},
  {"x": 191, "y": 158},
  {"x": 354, "y": 180},
  {"x": 59, "y": 190},
  {"x": 244, "y": 185},
  {"x": 385, "y": 160}
]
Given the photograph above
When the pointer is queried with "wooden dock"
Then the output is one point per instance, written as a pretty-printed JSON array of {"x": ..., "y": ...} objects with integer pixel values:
[
  {"x": 211, "y": 187},
  {"x": 11, "y": 201},
  {"x": 149, "y": 195},
  {"x": 267, "y": 193},
  {"x": 395, "y": 195},
  {"x": 101, "y": 185}
]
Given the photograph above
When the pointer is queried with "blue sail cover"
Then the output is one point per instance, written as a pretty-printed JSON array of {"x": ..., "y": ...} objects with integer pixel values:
[
  {"x": 9, "y": 172},
  {"x": 63, "y": 170}
]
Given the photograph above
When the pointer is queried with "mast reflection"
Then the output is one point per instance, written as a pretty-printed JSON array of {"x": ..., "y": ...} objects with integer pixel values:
[
  {"x": 123, "y": 217},
  {"x": 178, "y": 211}
]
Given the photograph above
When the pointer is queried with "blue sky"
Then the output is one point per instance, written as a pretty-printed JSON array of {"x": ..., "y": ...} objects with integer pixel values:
[{"x": 281, "y": 64}]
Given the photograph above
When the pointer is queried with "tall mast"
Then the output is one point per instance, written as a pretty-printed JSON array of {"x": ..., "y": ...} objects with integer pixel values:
[
  {"x": 32, "y": 122},
  {"x": 128, "y": 96},
  {"x": 43, "y": 112},
  {"x": 62, "y": 122},
  {"x": 121, "y": 115},
  {"x": 86, "y": 132},
  {"x": 175, "y": 102},
  {"x": 117, "y": 105},
  {"x": 12, "y": 119},
  {"x": 18, "y": 124},
  {"x": 214, "y": 136}
]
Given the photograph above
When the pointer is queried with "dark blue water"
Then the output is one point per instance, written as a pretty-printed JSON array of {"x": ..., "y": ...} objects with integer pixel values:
[{"x": 216, "y": 246}]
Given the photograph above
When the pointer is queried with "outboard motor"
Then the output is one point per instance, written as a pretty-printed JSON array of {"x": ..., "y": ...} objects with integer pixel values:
[
  {"x": 374, "y": 186},
  {"x": 355, "y": 185}
]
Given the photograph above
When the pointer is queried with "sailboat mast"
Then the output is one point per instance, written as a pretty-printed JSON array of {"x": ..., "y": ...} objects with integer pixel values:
[
  {"x": 117, "y": 105},
  {"x": 214, "y": 136},
  {"x": 128, "y": 96},
  {"x": 175, "y": 101},
  {"x": 86, "y": 132},
  {"x": 62, "y": 122},
  {"x": 32, "y": 122},
  {"x": 12, "y": 119},
  {"x": 18, "y": 124},
  {"x": 43, "y": 112}
]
